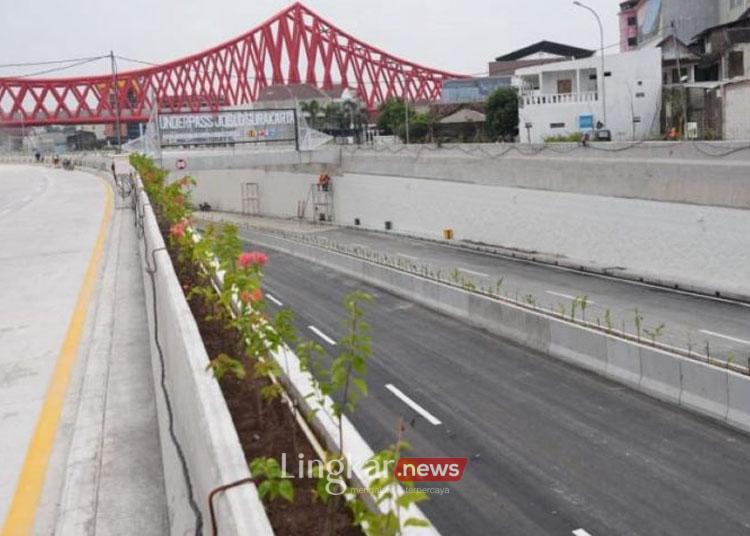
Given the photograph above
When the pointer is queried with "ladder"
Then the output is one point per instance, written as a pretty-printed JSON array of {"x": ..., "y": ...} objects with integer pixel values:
[
  {"x": 251, "y": 198},
  {"x": 322, "y": 203}
]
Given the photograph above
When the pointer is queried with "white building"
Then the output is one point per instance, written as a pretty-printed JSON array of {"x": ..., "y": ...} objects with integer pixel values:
[{"x": 566, "y": 97}]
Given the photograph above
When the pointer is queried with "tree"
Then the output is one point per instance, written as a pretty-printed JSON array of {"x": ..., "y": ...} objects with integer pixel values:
[
  {"x": 419, "y": 127},
  {"x": 312, "y": 109},
  {"x": 332, "y": 116},
  {"x": 502, "y": 114},
  {"x": 392, "y": 115},
  {"x": 392, "y": 119}
]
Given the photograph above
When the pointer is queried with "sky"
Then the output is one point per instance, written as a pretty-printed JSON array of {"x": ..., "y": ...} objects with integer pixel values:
[{"x": 456, "y": 36}]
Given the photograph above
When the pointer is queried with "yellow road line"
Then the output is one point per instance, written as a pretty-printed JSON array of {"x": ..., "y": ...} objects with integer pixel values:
[{"x": 20, "y": 518}]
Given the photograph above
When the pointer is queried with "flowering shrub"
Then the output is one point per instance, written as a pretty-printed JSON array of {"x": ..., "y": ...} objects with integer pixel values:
[
  {"x": 177, "y": 230},
  {"x": 219, "y": 248},
  {"x": 252, "y": 258}
]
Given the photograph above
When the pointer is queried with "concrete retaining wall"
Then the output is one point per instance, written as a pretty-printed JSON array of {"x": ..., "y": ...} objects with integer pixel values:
[
  {"x": 697, "y": 247},
  {"x": 280, "y": 191},
  {"x": 657, "y": 171},
  {"x": 202, "y": 423},
  {"x": 665, "y": 212},
  {"x": 715, "y": 392}
]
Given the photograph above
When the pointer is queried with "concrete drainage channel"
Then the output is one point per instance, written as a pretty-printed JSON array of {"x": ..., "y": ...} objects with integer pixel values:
[{"x": 716, "y": 392}]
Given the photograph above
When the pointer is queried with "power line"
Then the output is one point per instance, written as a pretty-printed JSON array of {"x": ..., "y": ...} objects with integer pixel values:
[
  {"x": 37, "y": 63},
  {"x": 137, "y": 61},
  {"x": 57, "y": 69}
]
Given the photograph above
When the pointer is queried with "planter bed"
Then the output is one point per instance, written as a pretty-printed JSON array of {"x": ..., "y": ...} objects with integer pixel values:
[{"x": 265, "y": 428}]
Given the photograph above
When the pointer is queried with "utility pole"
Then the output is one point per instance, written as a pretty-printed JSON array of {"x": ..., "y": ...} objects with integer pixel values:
[
  {"x": 406, "y": 116},
  {"x": 601, "y": 41},
  {"x": 683, "y": 92},
  {"x": 116, "y": 99}
]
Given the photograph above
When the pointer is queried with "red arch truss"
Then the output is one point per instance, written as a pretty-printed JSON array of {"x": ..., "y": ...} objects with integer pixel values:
[{"x": 295, "y": 46}]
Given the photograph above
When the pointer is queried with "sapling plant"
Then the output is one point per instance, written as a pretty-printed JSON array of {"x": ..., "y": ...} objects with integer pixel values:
[
  {"x": 387, "y": 489},
  {"x": 654, "y": 333},
  {"x": 583, "y": 301},
  {"x": 224, "y": 364},
  {"x": 638, "y": 321},
  {"x": 499, "y": 285},
  {"x": 349, "y": 368},
  {"x": 573, "y": 307},
  {"x": 272, "y": 481}
]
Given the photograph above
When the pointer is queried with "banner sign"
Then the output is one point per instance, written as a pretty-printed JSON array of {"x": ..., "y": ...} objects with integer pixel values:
[{"x": 228, "y": 127}]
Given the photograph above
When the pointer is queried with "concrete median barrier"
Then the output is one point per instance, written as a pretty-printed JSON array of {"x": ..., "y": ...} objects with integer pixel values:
[
  {"x": 578, "y": 345},
  {"x": 201, "y": 423},
  {"x": 660, "y": 375},
  {"x": 623, "y": 362},
  {"x": 705, "y": 389},
  {"x": 738, "y": 405}
]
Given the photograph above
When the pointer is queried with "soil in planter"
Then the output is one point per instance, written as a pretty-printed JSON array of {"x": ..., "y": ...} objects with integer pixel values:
[{"x": 266, "y": 429}]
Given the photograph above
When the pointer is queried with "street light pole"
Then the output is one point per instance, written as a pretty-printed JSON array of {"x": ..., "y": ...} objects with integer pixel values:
[
  {"x": 601, "y": 41},
  {"x": 116, "y": 99}
]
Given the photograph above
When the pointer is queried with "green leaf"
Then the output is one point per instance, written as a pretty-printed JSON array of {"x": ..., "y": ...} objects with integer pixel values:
[
  {"x": 361, "y": 385},
  {"x": 264, "y": 488},
  {"x": 416, "y": 522},
  {"x": 286, "y": 490}
]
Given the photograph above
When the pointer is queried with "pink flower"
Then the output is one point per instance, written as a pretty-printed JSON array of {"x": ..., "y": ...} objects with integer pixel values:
[
  {"x": 252, "y": 258},
  {"x": 178, "y": 229},
  {"x": 248, "y": 296}
]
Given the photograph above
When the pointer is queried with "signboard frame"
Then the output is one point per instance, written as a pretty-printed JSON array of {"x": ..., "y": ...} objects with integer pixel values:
[{"x": 204, "y": 142}]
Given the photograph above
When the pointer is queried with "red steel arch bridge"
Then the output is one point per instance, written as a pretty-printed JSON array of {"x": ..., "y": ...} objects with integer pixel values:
[{"x": 295, "y": 46}]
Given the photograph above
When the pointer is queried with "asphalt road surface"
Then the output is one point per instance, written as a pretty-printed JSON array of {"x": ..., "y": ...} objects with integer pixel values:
[
  {"x": 552, "y": 449},
  {"x": 703, "y": 324}
]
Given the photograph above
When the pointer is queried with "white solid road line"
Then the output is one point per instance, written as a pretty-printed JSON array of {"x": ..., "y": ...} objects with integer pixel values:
[
  {"x": 480, "y": 274},
  {"x": 322, "y": 335},
  {"x": 413, "y": 405},
  {"x": 561, "y": 295},
  {"x": 581, "y": 532},
  {"x": 274, "y": 300},
  {"x": 727, "y": 337}
]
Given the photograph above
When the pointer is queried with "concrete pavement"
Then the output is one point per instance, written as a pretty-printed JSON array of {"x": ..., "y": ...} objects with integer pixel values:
[
  {"x": 551, "y": 449},
  {"x": 78, "y": 435}
]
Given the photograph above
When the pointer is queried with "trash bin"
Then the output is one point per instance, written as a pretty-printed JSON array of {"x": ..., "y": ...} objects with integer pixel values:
[
  {"x": 447, "y": 234},
  {"x": 388, "y": 225}
]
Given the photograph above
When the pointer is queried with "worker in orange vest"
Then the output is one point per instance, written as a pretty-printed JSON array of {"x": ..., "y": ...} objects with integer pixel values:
[{"x": 324, "y": 182}]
